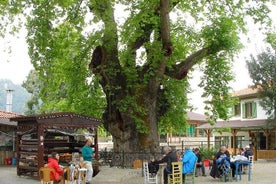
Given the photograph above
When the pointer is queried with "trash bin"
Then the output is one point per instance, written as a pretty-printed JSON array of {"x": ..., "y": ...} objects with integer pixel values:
[
  {"x": 13, "y": 162},
  {"x": 8, "y": 161}
]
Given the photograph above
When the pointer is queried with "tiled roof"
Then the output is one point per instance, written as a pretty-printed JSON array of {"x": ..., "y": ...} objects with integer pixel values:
[
  {"x": 8, "y": 115},
  {"x": 250, "y": 91},
  {"x": 192, "y": 116},
  {"x": 5, "y": 118}
]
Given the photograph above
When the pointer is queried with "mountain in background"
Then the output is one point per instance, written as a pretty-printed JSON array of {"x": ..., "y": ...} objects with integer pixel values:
[{"x": 19, "y": 96}]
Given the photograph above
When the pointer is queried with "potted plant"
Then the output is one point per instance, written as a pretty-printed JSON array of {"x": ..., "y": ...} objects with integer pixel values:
[{"x": 207, "y": 155}]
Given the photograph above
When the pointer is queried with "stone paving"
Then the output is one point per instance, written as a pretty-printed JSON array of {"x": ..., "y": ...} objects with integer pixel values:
[{"x": 263, "y": 172}]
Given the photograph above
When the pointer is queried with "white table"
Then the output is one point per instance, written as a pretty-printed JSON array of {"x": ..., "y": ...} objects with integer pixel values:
[{"x": 160, "y": 172}]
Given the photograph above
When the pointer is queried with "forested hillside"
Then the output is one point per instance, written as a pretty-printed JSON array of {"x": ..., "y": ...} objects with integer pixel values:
[{"x": 19, "y": 98}]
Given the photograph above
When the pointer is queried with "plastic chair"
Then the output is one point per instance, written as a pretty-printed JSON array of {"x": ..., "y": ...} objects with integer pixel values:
[
  {"x": 45, "y": 175},
  {"x": 190, "y": 177},
  {"x": 226, "y": 177},
  {"x": 149, "y": 178},
  {"x": 82, "y": 172},
  {"x": 71, "y": 174},
  {"x": 176, "y": 176}
]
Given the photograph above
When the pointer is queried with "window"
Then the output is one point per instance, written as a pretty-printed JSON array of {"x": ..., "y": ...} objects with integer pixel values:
[
  {"x": 191, "y": 131},
  {"x": 201, "y": 133},
  {"x": 222, "y": 141},
  {"x": 237, "y": 110},
  {"x": 249, "y": 110},
  {"x": 238, "y": 142}
]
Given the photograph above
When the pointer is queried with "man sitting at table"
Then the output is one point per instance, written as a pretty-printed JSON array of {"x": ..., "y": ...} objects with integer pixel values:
[
  {"x": 221, "y": 156},
  {"x": 170, "y": 157},
  {"x": 248, "y": 152}
]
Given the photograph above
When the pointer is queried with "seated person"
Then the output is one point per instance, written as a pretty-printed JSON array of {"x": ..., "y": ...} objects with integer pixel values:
[
  {"x": 248, "y": 152},
  {"x": 199, "y": 163},
  {"x": 169, "y": 158},
  {"x": 222, "y": 163},
  {"x": 189, "y": 159},
  {"x": 53, "y": 163}
]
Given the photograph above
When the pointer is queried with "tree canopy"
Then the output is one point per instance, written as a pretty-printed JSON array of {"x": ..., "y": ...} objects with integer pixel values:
[{"x": 140, "y": 54}]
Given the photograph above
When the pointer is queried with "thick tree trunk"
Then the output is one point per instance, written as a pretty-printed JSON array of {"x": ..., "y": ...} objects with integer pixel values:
[{"x": 125, "y": 134}]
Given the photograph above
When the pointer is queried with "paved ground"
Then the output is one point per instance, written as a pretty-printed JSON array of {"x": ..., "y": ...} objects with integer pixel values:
[{"x": 263, "y": 172}]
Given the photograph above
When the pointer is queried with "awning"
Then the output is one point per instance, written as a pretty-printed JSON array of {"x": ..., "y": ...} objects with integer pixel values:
[{"x": 238, "y": 124}]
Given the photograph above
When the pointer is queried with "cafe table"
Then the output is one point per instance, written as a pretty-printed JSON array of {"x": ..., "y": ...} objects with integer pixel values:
[
  {"x": 238, "y": 164},
  {"x": 160, "y": 172}
]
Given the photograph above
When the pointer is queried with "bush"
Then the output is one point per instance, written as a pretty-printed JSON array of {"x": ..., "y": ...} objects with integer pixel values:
[{"x": 208, "y": 153}]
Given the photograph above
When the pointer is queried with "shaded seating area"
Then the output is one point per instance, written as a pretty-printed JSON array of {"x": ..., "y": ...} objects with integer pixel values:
[{"x": 39, "y": 135}]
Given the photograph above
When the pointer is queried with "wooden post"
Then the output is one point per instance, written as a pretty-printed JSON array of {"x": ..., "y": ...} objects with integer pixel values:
[
  {"x": 234, "y": 133},
  {"x": 40, "y": 142},
  {"x": 208, "y": 133},
  {"x": 96, "y": 143},
  {"x": 267, "y": 133}
]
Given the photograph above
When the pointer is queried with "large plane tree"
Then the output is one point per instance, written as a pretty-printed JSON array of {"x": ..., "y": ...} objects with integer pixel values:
[{"x": 139, "y": 52}]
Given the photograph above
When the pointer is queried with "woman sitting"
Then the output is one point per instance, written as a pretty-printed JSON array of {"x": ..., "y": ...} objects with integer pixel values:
[{"x": 53, "y": 163}]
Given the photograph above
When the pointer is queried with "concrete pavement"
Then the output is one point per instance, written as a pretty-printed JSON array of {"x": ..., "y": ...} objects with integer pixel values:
[{"x": 263, "y": 172}]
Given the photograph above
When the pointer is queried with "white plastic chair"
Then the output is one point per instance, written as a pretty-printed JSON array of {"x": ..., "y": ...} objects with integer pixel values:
[
  {"x": 82, "y": 173},
  {"x": 148, "y": 178},
  {"x": 70, "y": 179}
]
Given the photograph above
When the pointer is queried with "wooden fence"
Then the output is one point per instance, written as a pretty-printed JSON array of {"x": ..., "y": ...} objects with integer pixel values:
[{"x": 266, "y": 154}]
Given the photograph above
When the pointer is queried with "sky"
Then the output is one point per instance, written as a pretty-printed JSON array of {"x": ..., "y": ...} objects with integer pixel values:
[{"x": 15, "y": 65}]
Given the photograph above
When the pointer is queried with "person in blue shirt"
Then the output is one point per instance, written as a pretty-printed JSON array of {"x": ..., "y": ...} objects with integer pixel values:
[
  {"x": 87, "y": 155},
  {"x": 189, "y": 159}
]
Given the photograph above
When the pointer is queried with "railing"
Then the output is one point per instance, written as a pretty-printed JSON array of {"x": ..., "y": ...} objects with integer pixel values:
[{"x": 125, "y": 159}]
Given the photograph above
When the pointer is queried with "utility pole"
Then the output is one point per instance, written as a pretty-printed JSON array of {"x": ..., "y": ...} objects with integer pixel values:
[{"x": 9, "y": 100}]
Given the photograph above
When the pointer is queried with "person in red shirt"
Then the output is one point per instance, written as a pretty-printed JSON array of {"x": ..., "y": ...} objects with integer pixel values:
[{"x": 53, "y": 163}]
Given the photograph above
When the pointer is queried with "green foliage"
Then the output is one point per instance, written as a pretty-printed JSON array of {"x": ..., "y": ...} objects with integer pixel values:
[
  {"x": 208, "y": 153},
  {"x": 62, "y": 35},
  {"x": 262, "y": 70},
  {"x": 216, "y": 86},
  {"x": 222, "y": 33},
  {"x": 174, "y": 118},
  {"x": 271, "y": 39}
]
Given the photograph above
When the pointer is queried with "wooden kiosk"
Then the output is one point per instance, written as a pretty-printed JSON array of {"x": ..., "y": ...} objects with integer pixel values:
[{"x": 39, "y": 135}]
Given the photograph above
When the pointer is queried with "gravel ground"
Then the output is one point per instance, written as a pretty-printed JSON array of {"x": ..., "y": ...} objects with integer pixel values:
[{"x": 263, "y": 172}]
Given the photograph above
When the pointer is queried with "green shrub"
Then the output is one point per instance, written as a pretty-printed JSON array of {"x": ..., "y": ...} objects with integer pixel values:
[{"x": 208, "y": 153}]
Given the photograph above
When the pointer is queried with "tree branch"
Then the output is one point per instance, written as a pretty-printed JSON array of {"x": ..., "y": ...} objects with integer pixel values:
[
  {"x": 148, "y": 27},
  {"x": 165, "y": 27},
  {"x": 181, "y": 70}
]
